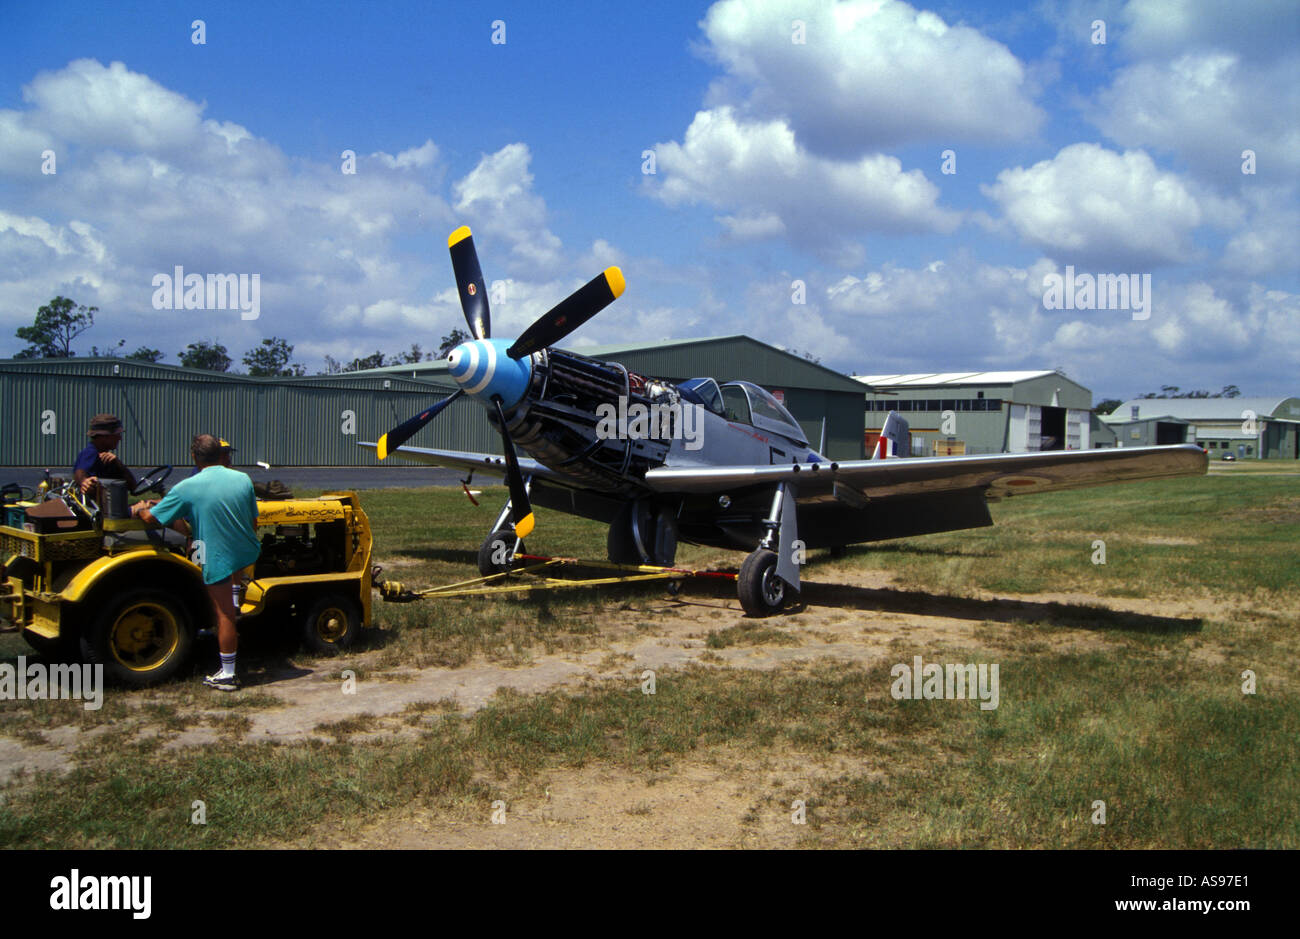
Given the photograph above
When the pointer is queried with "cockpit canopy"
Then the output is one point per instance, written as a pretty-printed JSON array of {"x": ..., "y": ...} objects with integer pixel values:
[{"x": 743, "y": 402}]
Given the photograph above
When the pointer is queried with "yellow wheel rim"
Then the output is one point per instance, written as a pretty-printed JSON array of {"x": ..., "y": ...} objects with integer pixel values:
[
  {"x": 332, "y": 624},
  {"x": 144, "y": 636}
]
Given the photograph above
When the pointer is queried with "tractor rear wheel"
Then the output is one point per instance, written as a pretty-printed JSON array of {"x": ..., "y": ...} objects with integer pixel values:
[{"x": 141, "y": 637}]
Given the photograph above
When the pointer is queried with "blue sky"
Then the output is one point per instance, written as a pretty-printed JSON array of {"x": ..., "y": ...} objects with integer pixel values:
[{"x": 777, "y": 160}]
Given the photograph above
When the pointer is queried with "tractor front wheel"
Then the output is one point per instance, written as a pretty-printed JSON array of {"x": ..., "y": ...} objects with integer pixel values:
[{"x": 331, "y": 624}]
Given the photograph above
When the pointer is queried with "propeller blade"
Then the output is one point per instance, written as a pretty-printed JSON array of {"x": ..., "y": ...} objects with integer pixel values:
[
  {"x": 469, "y": 282},
  {"x": 408, "y": 429},
  {"x": 570, "y": 313},
  {"x": 521, "y": 510}
]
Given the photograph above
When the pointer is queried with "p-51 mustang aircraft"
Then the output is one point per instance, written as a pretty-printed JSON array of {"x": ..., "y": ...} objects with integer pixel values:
[{"x": 714, "y": 464}]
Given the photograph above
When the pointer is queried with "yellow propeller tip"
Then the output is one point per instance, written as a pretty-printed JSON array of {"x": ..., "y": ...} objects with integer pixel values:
[
  {"x": 381, "y": 448},
  {"x": 524, "y": 526},
  {"x": 614, "y": 277},
  {"x": 458, "y": 235}
]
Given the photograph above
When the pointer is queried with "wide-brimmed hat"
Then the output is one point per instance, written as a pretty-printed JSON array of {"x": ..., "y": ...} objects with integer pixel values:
[{"x": 104, "y": 424}]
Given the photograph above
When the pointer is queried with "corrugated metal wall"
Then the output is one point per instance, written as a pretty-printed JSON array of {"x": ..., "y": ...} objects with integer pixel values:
[
  {"x": 303, "y": 422},
  {"x": 45, "y": 408}
]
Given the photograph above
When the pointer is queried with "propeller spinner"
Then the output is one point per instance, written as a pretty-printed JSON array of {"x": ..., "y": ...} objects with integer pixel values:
[{"x": 496, "y": 372}]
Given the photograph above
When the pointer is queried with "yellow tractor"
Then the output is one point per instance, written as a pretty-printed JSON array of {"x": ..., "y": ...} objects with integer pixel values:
[{"x": 85, "y": 583}]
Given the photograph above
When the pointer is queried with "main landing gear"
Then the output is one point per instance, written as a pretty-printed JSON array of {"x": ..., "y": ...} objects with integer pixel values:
[
  {"x": 496, "y": 554},
  {"x": 770, "y": 574}
]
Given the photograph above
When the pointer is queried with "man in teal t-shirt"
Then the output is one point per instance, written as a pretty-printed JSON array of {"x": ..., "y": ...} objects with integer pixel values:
[{"x": 221, "y": 507}]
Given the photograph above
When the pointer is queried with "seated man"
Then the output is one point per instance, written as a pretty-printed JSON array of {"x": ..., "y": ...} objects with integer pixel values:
[{"x": 97, "y": 460}]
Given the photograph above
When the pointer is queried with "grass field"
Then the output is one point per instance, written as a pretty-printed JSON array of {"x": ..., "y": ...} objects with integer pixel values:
[{"x": 1120, "y": 683}]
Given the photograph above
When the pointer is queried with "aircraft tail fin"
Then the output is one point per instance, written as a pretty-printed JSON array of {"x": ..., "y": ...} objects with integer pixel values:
[{"x": 895, "y": 438}]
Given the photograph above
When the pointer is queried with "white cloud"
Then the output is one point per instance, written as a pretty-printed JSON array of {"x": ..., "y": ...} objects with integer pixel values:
[
  {"x": 869, "y": 74},
  {"x": 144, "y": 184},
  {"x": 1170, "y": 27},
  {"x": 112, "y": 107},
  {"x": 1207, "y": 108},
  {"x": 1094, "y": 206},
  {"x": 498, "y": 195},
  {"x": 772, "y": 185},
  {"x": 420, "y": 157}
]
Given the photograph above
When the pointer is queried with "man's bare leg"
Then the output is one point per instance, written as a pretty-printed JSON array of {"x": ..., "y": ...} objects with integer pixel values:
[{"x": 223, "y": 605}]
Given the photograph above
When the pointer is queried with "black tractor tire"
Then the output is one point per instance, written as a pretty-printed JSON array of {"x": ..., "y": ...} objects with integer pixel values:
[
  {"x": 762, "y": 593},
  {"x": 141, "y": 637},
  {"x": 489, "y": 554},
  {"x": 65, "y": 650},
  {"x": 331, "y": 624}
]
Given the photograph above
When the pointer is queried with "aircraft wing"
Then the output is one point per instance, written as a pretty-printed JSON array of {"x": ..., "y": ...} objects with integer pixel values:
[
  {"x": 997, "y": 474},
  {"x": 490, "y": 463}
]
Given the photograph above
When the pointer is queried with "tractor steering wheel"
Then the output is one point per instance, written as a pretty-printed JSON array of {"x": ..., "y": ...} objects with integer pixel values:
[{"x": 151, "y": 480}]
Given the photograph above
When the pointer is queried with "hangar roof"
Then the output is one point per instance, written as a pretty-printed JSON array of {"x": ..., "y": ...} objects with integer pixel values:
[
  {"x": 722, "y": 357},
  {"x": 1207, "y": 409},
  {"x": 951, "y": 378}
]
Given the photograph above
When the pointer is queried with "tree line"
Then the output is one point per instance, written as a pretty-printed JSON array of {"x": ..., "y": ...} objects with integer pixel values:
[
  {"x": 1108, "y": 405},
  {"x": 62, "y": 321}
]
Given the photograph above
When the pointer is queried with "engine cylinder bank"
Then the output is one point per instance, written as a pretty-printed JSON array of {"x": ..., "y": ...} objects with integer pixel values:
[{"x": 558, "y": 426}]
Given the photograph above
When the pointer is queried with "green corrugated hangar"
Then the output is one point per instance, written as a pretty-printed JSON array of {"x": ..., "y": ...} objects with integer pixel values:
[
  {"x": 810, "y": 392},
  {"x": 991, "y": 412},
  {"x": 45, "y": 405},
  {"x": 1260, "y": 428},
  {"x": 317, "y": 420}
]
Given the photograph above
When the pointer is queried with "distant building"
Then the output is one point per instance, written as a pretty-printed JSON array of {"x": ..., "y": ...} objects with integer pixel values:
[
  {"x": 983, "y": 412},
  {"x": 1245, "y": 427}
]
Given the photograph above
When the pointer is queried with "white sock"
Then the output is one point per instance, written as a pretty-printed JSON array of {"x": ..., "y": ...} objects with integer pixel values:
[{"x": 227, "y": 664}]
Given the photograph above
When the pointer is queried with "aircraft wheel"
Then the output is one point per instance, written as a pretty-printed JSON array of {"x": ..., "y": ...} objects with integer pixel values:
[
  {"x": 496, "y": 555},
  {"x": 762, "y": 593}
]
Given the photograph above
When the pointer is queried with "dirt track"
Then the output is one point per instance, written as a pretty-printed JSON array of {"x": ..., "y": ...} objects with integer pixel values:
[{"x": 732, "y": 799}]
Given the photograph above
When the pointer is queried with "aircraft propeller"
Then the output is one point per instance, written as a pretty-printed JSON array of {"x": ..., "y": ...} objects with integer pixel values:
[{"x": 474, "y": 363}]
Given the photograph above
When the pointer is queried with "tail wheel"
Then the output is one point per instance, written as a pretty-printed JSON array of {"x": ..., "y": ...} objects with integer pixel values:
[
  {"x": 142, "y": 637},
  {"x": 331, "y": 624},
  {"x": 497, "y": 553},
  {"x": 762, "y": 593}
]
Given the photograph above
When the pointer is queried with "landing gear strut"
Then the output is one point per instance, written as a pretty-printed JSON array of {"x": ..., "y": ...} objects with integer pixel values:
[
  {"x": 771, "y": 572},
  {"x": 497, "y": 552}
]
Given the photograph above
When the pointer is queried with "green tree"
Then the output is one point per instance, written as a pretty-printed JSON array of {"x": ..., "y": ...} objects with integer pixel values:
[
  {"x": 57, "y": 324},
  {"x": 108, "y": 352},
  {"x": 210, "y": 356},
  {"x": 449, "y": 342},
  {"x": 369, "y": 361},
  {"x": 1107, "y": 406},
  {"x": 271, "y": 358},
  {"x": 145, "y": 354},
  {"x": 410, "y": 358}
]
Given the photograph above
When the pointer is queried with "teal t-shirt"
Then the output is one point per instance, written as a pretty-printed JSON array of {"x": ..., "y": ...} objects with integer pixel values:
[{"x": 221, "y": 507}]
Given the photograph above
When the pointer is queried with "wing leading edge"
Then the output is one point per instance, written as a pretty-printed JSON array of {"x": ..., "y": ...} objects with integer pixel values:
[
  {"x": 998, "y": 474},
  {"x": 491, "y": 463}
]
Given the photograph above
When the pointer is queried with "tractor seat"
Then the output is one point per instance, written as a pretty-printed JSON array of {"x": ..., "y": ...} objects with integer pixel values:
[{"x": 162, "y": 537}]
